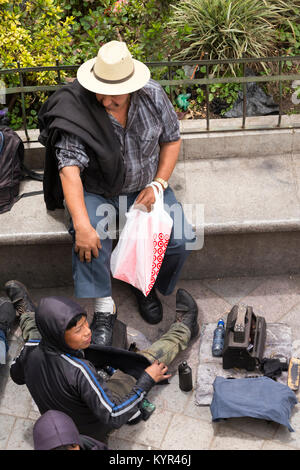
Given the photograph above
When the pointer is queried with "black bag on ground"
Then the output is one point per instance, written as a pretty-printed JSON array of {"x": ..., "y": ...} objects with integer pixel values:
[
  {"x": 258, "y": 103},
  {"x": 12, "y": 169}
]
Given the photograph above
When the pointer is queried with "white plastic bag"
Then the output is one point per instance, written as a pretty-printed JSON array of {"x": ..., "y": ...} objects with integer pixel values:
[{"x": 140, "y": 251}]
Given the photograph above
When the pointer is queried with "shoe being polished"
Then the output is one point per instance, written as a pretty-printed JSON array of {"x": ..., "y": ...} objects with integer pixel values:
[
  {"x": 187, "y": 311},
  {"x": 19, "y": 296},
  {"x": 150, "y": 307},
  {"x": 102, "y": 328},
  {"x": 7, "y": 314}
]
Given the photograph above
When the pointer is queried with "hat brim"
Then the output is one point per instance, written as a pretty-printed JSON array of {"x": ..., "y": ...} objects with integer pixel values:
[{"x": 87, "y": 79}]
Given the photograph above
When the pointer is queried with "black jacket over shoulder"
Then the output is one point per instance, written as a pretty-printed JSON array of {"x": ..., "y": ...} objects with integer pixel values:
[
  {"x": 60, "y": 378},
  {"x": 76, "y": 110}
]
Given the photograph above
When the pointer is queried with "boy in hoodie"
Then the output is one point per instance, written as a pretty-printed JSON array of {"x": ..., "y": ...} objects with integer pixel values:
[
  {"x": 60, "y": 366},
  {"x": 55, "y": 430}
]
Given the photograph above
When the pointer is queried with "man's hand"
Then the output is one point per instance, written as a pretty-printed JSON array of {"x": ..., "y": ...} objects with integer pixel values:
[
  {"x": 87, "y": 243},
  {"x": 145, "y": 199},
  {"x": 158, "y": 371}
]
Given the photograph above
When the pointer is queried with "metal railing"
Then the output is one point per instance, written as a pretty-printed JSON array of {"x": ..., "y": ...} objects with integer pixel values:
[{"x": 206, "y": 81}]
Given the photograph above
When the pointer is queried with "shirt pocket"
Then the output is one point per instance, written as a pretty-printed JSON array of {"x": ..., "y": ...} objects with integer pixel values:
[{"x": 148, "y": 140}]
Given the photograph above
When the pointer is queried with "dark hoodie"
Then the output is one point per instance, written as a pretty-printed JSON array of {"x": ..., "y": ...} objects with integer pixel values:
[
  {"x": 55, "y": 429},
  {"x": 60, "y": 378}
]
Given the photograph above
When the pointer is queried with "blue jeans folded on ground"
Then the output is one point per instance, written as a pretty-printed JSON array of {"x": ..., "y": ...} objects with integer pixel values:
[
  {"x": 3, "y": 347},
  {"x": 93, "y": 279},
  {"x": 259, "y": 397}
]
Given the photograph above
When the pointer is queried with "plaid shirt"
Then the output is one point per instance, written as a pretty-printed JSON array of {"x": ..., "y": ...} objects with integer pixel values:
[{"x": 151, "y": 121}]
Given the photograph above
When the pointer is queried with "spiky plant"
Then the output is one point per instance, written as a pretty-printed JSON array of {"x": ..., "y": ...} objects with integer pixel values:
[{"x": 226, "y": 29}]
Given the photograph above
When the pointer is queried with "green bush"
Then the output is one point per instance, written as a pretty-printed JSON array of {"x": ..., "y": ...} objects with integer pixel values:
[
  {"x": 288, "y": 33},
  {"x": 141, "y": 24},
  {"x": 32, "y": 33},
  {"x": 39, "y": 32}
]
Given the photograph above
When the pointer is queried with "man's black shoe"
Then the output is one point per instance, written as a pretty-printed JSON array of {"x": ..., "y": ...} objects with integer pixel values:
[
  {"x": 187, "y": 311},
  {"x": 19, "y": 296},
  {"x": 7, "y": 314},
  {"x": 102, "y": 328},
  {"x": 150, "y": 307}
]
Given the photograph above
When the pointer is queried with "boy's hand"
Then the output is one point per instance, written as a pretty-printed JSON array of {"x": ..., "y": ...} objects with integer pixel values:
[{"x": 158, "y": 371}]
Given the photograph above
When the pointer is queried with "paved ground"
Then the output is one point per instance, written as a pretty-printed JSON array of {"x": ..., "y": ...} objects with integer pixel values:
[{"x": 177, "y": 422}]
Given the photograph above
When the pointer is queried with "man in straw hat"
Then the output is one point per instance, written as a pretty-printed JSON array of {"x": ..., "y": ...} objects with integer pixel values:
[{"x": 108, "y": 134}]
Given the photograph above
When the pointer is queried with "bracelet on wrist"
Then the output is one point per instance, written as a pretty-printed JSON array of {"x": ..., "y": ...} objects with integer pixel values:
[{"x": 164, "y": 183}]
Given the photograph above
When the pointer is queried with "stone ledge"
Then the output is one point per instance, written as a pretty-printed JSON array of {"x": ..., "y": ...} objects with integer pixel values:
[
  {"x": 58, "y": 237},
  {"x": 199, "y": 125},
  {"x": 254, "y": 226},
  {"x": 237, "y": 196},
  {"x": 222, "y": 141},
  {"x": 29, "y": 223},
  {"x": 235, "y": 124}
]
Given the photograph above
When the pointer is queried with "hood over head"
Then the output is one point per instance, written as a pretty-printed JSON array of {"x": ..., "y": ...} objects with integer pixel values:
[
  {"x": 54, "y": 429},
  {"x": 52, "y": 318}
]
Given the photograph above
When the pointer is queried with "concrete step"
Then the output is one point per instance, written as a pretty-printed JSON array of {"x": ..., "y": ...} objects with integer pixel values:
[
  {"x": 245, "y": 210},
  {"x": 221, "y": 142}
]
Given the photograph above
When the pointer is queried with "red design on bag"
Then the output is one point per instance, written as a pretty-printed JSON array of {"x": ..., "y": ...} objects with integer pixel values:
[{"x": 159, "y": 249}]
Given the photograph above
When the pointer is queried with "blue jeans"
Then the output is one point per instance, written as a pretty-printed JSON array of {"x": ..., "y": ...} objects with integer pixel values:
[{"x": 93, "y": 279}]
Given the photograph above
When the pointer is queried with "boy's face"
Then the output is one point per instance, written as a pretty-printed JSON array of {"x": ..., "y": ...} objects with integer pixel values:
[
  {"x": 79, "y": 337},
  {"x": 73, "y": 447}
]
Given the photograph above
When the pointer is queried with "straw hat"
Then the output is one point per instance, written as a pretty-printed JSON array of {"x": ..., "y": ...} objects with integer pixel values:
[{"x": 113, "y": 71}]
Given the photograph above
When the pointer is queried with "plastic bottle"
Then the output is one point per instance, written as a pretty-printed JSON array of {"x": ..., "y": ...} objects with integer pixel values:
[
  {"x": 218, "y": 340},
  {"x": 185, "y": 377}
]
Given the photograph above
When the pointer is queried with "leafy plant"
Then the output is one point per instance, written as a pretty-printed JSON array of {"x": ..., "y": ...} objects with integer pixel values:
[
  {"x": 290, "y": 40},
  {"x": 15, "y": 117},
  {"x": 200, "y": 95},
  {"x": 32, "y": 33},
  {"x": 39, "y": 32},
  {"x": 140, "y": 24}
]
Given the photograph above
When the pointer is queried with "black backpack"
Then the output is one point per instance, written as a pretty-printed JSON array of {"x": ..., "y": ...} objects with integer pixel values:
[{"x": 12, "y": 169}]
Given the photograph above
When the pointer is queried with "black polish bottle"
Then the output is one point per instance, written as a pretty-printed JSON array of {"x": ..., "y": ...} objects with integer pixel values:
[{"x": 185, "y": 377}]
